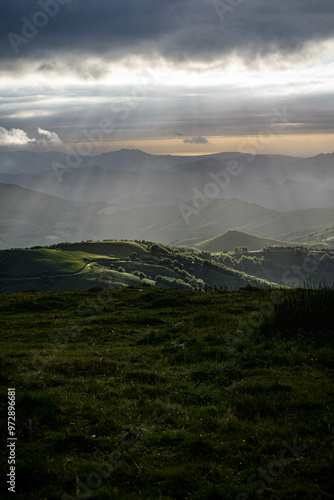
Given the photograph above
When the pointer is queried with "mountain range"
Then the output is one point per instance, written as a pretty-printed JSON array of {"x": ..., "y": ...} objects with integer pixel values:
[
  {"x": 131, "y": 177},
  {"x": 52, "y": 197}
]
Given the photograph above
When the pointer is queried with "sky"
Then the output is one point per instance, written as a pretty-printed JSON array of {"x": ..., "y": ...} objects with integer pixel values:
[{"x": 181, "y": 77}]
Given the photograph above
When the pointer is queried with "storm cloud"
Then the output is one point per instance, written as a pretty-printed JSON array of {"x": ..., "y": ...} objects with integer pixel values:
[{"x": 177, "y": 30}]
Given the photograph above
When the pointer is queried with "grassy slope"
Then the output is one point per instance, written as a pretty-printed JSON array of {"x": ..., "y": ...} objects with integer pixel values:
[
  {"x": 34, "y": 262},
  {"x": 190, "y": 242},
  {"x": 114, "y": 248},
  {"x": 173, "y": 386},
  {"x": 324, "y": 237},
  {"x": 69, "y": 259},
  {"x": 288, "y": 225},
  {"x": 72, "y": 257},
  {"x": 288, "y": 266},
  {"x": 231, "y": 239}
]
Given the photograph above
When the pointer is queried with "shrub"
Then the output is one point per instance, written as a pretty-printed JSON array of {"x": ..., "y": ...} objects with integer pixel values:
[
  {"x": 157, "y": 248},
  {"x": 172, "y": 283},
  {"x": 165, "y": 261},
  {"x": 304, "y": 313}
]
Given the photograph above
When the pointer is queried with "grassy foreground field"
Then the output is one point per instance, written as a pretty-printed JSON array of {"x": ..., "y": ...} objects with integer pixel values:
[{"x": 146, "y": 393}]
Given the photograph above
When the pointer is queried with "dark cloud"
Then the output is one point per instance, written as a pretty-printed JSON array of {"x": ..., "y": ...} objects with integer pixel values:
[
  {"x": 196, "y": 140},
  {"x": 178, "y": 30},
  {"x": 47, "y": 66}
]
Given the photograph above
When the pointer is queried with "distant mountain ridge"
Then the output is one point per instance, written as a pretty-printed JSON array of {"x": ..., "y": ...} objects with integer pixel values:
[{"x": 134, "y": 178}]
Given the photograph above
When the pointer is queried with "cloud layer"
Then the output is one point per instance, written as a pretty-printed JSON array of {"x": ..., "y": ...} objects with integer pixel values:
[{"x": 177, "y": 30}]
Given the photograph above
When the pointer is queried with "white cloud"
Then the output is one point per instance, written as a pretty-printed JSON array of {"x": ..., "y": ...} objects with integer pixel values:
[
  {"x": 13, "y": 138},
  {"x": 196, "y": 140},
  {"x": 16, "y": 138},
  {"x": 48, "y": 138}
]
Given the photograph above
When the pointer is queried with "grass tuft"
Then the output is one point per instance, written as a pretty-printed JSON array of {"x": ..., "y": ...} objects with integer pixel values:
[{"x": 304, "y": 314}]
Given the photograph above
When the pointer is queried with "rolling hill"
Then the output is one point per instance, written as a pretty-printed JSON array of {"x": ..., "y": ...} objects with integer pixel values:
[
  {"x": 230, "y": 240},
  {"x": 116, "y": 263},
  {"x": 69, "y": 266},
  {"x": 296, "y": 224}
]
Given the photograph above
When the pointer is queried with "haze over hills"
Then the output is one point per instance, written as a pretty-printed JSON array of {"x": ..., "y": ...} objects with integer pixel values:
[
  {"x": 129, "y": 194},
  {"x": 134, "y": 178},
  {"x": 32, "y": 218},
  {"x": 16, "y": 162}
]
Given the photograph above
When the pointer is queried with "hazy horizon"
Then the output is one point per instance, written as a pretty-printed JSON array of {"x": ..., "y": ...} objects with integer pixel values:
[{"x": 69, "y": 147}]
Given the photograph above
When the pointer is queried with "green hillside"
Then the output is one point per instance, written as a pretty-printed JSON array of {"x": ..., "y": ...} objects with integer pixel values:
[
  {"x": 232, "y": 239},
  {"x": 80, "y": 266},
  {"x": 22, "y": 262},
  {"x": 291, "y": 266},
  {"x": 191, "y": 242},
  {"x": 106, "y": 248},
  {"x": 65, "y": 258}
]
